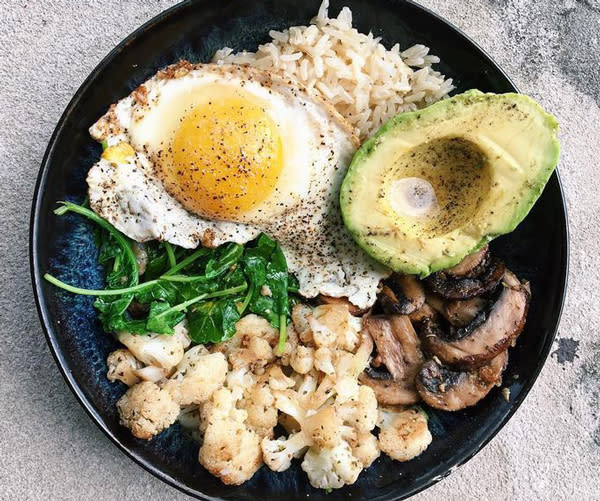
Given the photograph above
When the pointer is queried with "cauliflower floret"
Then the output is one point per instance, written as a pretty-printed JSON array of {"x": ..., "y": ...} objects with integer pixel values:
[
  {"x": 289, "y": 348},
  {"x": 346, "y": 389},
  {"x": 230, "y": 451},
  {"x": 323, "y": 336},
  {"x": 147, "y": 410},
  {"x": 350, "y": 337},
  {"x": 331, "y": 468},
  {"x": 403, "y": 433},
  {"x": 277, "y": 379},
  {"x": 324, "y": 393},
  {"x": 365, "y": 446},
  {"x": 252, "y": 345},
  {"x": 253, "y": 325},
  {"x": 248, "y": 327},
  {"x": 332, "y": 325},
  {"x": 297, "y": 403},
  {"x": 319, "y": 429},
  {"x": 353, "y": 365},
  {"x": 239, "y": 381},
  {"x": 323, "y": 427},
  {"x": 152, "y": 373},
  {"x": 314, "y": 416},
  {"x": 259, "y": 403},
  {"x": 303, "y": 359},
  {"x": 361, "y": 411},
  {"x": 255, "y": 353},
  {"x": 300, "y": 316},
  {"x": 278, "y": 454},
  {"x": 161, "y": 350},
  {"x": 122, "y": 366},
  {"x": 324, "y": 361},
  {"x": 198, "y": 375},
  {"x": 328, "y": 325},
  {"x": 320, "y": 424},
  {"x": 306, "y": 386},
  {"x": 365, "y": 449}
]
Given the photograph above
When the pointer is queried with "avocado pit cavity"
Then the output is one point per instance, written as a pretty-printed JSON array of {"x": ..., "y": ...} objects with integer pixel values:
[
  {"x": 413, "y": 197},
  {"x": 438, "y": 185}
]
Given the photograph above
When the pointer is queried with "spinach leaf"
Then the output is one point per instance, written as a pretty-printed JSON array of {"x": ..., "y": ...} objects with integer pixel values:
[
  {"x": 234, "y": 277},
  {"x": 277, "y": 280},
  {"x": 162, "y": 318},
  {"x": 213, "y": 321},
  {"x": 109, "y": 248},
  {"x": 161, "y": 291},
  {"x": 113, "y": 315},
  {"x": 211, "y": 287},
  {"x": 157, "y": 260},
  {"x": 267, "y": 272},
  {"x": 265, "y": 307},
  {"x": 255, "y": 268},
  {"x": 129, "y": 260},
  {"x": 225, "y": 257},
  {"x": 193, "y": 260}
]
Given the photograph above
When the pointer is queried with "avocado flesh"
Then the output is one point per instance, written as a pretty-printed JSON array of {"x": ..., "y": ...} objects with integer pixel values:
[{"x": 487, "y": 158}]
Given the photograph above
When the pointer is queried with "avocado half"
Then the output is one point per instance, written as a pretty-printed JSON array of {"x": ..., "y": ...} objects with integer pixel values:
[{"x": 434, "y": 185}]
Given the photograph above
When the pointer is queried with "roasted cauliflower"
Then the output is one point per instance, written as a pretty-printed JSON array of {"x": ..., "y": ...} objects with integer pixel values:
[
  {"x": 160, "y": 350},
  {"x": 252, "y": 344},
  {"x": 330, "y": 423},
  {"x": 231, "y": 396},
  {"x": 331, "y": 468},
  {"x": 259, "y": 403},
  {"x": 231, "y": 450},
  {"x": 146, "y": 410},
  {"x": 198, "y": 375},
  {"x": 404, "y": 433},
  {"x": 122, "y": 366}
]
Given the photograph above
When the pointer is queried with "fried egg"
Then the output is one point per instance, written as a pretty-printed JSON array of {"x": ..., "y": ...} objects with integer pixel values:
[{"x": 208, "y": 154}]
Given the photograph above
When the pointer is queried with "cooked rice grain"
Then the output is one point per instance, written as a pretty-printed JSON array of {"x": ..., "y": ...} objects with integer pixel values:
[{"x": 366, "y": 83}]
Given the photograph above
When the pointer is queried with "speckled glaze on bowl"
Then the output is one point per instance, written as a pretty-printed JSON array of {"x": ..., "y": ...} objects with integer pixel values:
[{"x": 65, "y": 245}]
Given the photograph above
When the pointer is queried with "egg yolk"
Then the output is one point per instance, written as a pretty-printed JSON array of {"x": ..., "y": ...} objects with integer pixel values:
[{"x": 225, "y": 158}]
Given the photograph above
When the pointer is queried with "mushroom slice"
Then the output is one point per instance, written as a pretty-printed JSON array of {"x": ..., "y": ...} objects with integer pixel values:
[
  {"x": 399, "y": 349},
  {"x": 451, "y": 390},
  {"x": 459, "y": 312},
  {"x": 402, "y": 295},
  {"x": 387, "y": 391},
  {"x": 462, "y": 312},
  {"x": 422, "y": 313},
  {"x": 352, "y": 308},
  {"x": 410, "y": 342},
  {"x": 472, "y": 265},
  {"x": 489, "y": 333},
  {"x": 468, "y": 287},
  {"x": 437, "y": 302},
  {"x": 389, "y": 348}
]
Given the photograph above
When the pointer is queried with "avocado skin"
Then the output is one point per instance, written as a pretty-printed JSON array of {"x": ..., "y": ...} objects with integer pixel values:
[{"x": 448, "y": 110}]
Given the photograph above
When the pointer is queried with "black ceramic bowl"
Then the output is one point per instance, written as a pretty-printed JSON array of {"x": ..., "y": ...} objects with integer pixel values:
[{"x": 64, "y": 246}]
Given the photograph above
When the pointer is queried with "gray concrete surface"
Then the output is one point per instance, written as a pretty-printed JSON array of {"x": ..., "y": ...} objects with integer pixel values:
[{"x": 49, "y": 448}]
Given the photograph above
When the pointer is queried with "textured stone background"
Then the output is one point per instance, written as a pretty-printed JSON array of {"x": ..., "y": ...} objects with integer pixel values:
[{"x": 49, "y": 448}]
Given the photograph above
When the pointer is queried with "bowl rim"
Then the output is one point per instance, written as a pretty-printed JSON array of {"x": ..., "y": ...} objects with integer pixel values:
[{"x": 51, "y": 334}]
